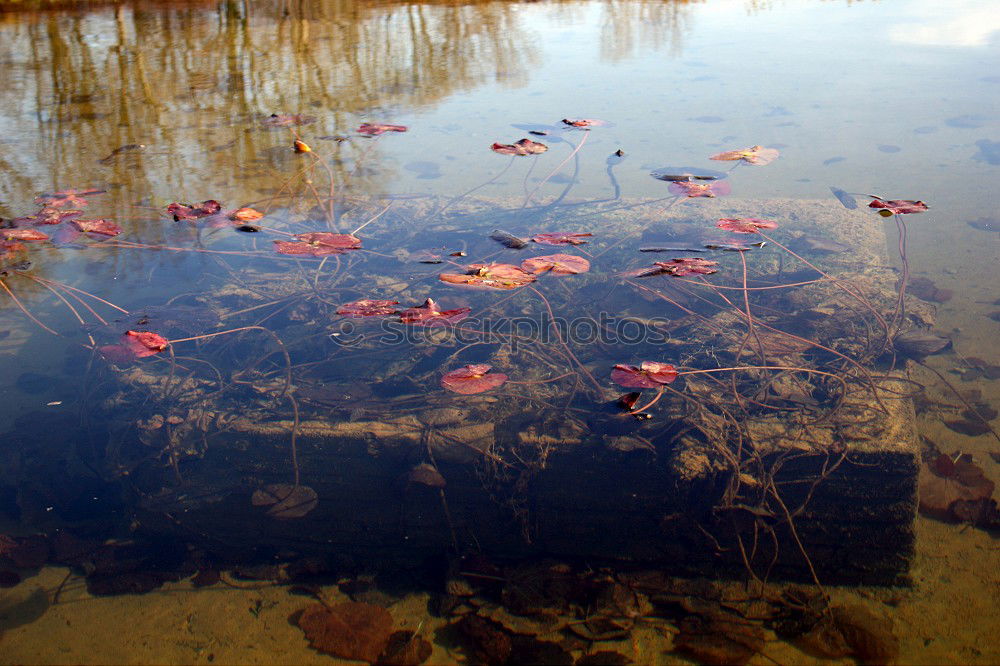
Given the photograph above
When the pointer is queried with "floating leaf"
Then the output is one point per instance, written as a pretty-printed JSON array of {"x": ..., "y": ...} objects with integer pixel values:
[
  {"x": 368, "y": 308},
  {"x": 134, "y": 345},
  {"x": 102, "y": 227},
  {"x": 300, "y": 146},
  {"x": 896, "y": 206},
  {"x": 687, "y": 173},
  {"x": 180, "y": 211},
  {"x": 558, "y": 264},
  {"x": 351, "y": 630},
  {"x": 46, "y": 216},
  {"x": 472, "y": 379},
  {"x": 745, "y": 225},
  {"x": 245, "y": 215},
  {"x": 374, "y": 129},
  {"x": 318, "y": 244},
  {"x": 23, "y": 235},
  {"x": 490, "y": 276},
  {"x": 507, "y": 239},
  {"x": 522, "y": 147},
  {"x": 584, "y": 122},
  {"x": 287, "y": 120},
  {"x": 74, "y": 198},
  {"x": 561, "y": 238},
  {"x": 650, "y": 374},
  {"x": 285, "y": 501},
  {"x": 753, "y": 155},
  {"x": 680, "y": 267},
  {"x": 692, "y": 190},
  {"x": 429, "y": 314}
]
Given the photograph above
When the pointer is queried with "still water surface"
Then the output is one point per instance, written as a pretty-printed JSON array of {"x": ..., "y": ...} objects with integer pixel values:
[{"x": 170, "y": 102}]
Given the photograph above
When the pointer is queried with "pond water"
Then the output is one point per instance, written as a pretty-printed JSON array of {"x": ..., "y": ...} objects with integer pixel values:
[{"x": 193, "y": 387}]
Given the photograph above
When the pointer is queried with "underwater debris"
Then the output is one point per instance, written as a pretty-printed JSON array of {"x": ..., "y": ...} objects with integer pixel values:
[
  {"x": 744, "y": 225},
  {"x": 693, "y": 190},
  {"x": 73, "y": 198},
  {"x": 276, "y": 120},
  {"x": 757, "y": 155},
  {"x": 285, "y": 501},
  {"x": 679, "y": 267},
  {"x": 368, "y": 308},
  {"x": 350, "y": 630},
  {"x": 472, "y": 379},
  {"x": 561, "y": 238},
  {"x": 508, "y": 240}
]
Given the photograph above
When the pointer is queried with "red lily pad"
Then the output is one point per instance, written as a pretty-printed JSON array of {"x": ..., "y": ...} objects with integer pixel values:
[
  {"x": 651, "y": 374},
  {"x": 947, "y": 486},
  {"x": 692, "y": 190},
  {"x": 745, "y": 225},
  {"x": 287, "y": 120},
  {"x": 47, "y": 216},
  {"x": 896, "y": 206},
  {"x": 134, "y": 345},
  {"x": 472, "y": 379},
  {"x": 102, "y": 227},
  {"x": 368, "y": 308},
  {"x": 318, "y": 244},
  {"x": 584, "y": 122},
  {"x": 429, "y": 314},
  {"x": 66, "y": 198},
  {"x": 522, "y": 147},
  {"x": 561, "y": 238},
  {"x": 758, "y": 155},
  {"x": 23, "y": 235},
  {"x": 490, "y": 276},
  {"x": 374, "y": 129},
  {"x": 181, "y": 211},
  {"x": 681, "y": 267},
  {"x": 285, "y": 501},
  {"x": 558, "y": 264}
]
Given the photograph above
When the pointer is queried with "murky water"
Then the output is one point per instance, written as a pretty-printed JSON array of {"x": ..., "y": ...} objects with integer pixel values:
[{"x": 275, "y": 425}]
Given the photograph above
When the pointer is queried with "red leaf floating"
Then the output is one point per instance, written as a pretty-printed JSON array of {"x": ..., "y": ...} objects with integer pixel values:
[
  {"x": 287, "y": 120},
  {"x": 23, "y": 235},
  {"x": 181, "y": 211},
  {"x": 745, "y": 225},
  {"x": 429, "y": 314},
  {"x": 758, "y": 155},
  {"x": 681, "y": 267},
  {"x": 490, "y": 276},
  {"x": 561, "y": 238},
  {"x": 522, "y": 147},
  {"x": 66, "y": 198},
  {"x": 133, "y": 345},
  {"x": 558, "y": 264},
  {"x": 897, "y": 206},
  {"x": 47, "y": 216},
  {"x": 584, "y": 122},
  {"x": 374, "y": 129},
  {"x": 472, "y": 379},
  {"x": 650, "y": 374},
  {"x": 318, "y": 244},
  {"x": 102, "y": 227},
  {"x": 245, "y": 215},
  {"x": 368, "y": 308},
  {"x": 691, "y": 189}
]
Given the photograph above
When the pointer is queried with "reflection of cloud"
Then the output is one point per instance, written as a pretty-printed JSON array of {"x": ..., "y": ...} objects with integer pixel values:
[{"x": 949, "y": 24}]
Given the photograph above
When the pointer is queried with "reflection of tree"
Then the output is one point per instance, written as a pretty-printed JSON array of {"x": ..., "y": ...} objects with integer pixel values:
[
  {"x": 650, "y": 25},
  {"x": 185, "y": 78}
]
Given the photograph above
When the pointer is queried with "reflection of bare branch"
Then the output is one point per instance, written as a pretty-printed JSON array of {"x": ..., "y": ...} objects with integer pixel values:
[{"x": 648, "y": 26}]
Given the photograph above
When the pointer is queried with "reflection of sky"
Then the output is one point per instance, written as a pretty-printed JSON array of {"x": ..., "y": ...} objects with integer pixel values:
[{"x": 960, "y": 23}]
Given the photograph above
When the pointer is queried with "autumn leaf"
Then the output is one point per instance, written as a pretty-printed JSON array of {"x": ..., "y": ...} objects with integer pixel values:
[
  {"x": 245, "y": 215},
  {"x": 368, "y": 308},
  {"x": 472, "y": 379},
  {"x": 134, "y": 345},
  {"x": 680, "y": 267},
  {"x": 46, "y": 216},
  {"x": 490, "y": 276},
  {"x": 102, "y": 227},
  {"x": 374, "y": 129},
  {"x": 558, "y": 264},
  {"x": 561, "y": 238},
  {"x": 896, "y": 206},
  {"x": 180, "y": 211},
  {"x": 23, "y": 235},
  {"x": 651, "y": 374},
  {"x": 522, "y": 147},
  {"x": 318, "y": 244},
  {"x": 74, "y": 198},
  {"x": 744, "y": 225},
  {"x": 754, "y": 155},
  {"x": 429, "y": 314}
]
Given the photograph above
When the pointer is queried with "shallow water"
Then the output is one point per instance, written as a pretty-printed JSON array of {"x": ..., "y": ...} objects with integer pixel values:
[{"x": 169, "y": 102}]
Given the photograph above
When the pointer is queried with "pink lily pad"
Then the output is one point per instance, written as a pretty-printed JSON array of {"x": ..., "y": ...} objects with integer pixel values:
[
  {"x": 472, "y": 379},
  {"x": 429, "y": 314},
  {"x": 368, "y": 308},
  {"x": 181, "y": 211},
  {"x": 557, "y": 264},
  {"x": 134, "y": 345},
  {"x": 47, "y": 216},
  {"x": 584, "y": 122},
  {"x": 561, "y": 238},
  {"x": 522, "y": 147},
  {"x": 318, "y": 244},
  {"x": 490, "y": 276},
  {"x": 897, "y": 206},
  {"x": 680, "y": 267},
  {"x": 102, "y": 227},
  {"x": 744, "y": 225},
  {"x": 651, "y": 374},
  {"x": 23, "y": 235}
]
